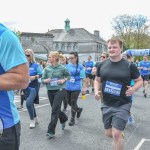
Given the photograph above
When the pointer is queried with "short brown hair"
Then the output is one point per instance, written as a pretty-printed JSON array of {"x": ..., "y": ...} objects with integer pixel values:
[{"x": 115, "y": 40}]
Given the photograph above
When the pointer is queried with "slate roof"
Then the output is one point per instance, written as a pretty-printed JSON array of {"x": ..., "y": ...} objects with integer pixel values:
[{"x": 75, "y": 35}]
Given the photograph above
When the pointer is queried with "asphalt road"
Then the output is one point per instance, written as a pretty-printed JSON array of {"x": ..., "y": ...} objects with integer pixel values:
[{"x": 88, "y": 133}]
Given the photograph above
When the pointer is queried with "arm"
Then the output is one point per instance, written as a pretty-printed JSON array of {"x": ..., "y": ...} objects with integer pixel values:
[
  {"x": 66, "y": 77},
  {"x": 139, "y": 66},
  {"x": 97, "y": 83},
  {"x": 94, "y": 70},
  {"x": 38, "y": 75},
  {"x": 44, "y": 78},
  {"x": 137, "y": 79},
  {"x": 15, "y": 78},
  {"x": 137, "y": 85},
  {"x": 13, "y": 62}
]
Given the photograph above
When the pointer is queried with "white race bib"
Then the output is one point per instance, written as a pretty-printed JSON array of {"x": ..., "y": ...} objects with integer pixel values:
[
  {"x": 72, "y": 80},
  {"x": 113, "y": 88},
  {"x": 54, "y": 82},
  {"x": 145, "y": 68}
]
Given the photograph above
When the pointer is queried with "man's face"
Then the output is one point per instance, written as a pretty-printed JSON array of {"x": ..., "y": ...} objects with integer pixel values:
[
  {"x": 114, "y": 49},
  {"x": 145, "y": 58},
  {"x": 89, "y": 58}
]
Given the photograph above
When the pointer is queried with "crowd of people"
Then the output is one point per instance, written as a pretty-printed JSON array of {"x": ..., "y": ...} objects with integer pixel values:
[{"x": 113, "y": 80}]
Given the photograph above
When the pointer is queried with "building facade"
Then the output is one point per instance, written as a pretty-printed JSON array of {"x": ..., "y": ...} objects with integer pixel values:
[
  {"x": 78, "y": 40},
  {"x": 66, "y": 40}
]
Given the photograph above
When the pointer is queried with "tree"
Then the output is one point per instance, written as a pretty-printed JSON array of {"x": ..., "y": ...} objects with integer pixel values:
[
  {"x": 133, "y": 30},
  {"x": 18, "y": 33}
]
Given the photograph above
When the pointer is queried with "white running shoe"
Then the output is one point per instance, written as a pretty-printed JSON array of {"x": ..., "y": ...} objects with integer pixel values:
[
  {"x": 32, "y": 124},
  {"x": 36, "y": 120}
]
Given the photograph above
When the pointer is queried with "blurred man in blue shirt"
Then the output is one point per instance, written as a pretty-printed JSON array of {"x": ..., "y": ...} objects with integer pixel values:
[
  {"x": 88, "y": 70},
  {"x": 144, "y": 67},
  {"x": 14, "y": 74}
]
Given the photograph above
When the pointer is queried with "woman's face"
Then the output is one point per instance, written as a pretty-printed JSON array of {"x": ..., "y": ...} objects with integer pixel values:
[
  {"x": 28, "y": 56},
  {"x": 63, "y": 60},
  {"x": 51, "y": 59},
  {"x": 103, "y": 57},
  {"x": 73, "y": 59}
]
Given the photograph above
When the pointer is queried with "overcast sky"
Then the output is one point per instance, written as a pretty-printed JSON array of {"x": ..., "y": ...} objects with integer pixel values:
[{"x": 41, "y": 15}]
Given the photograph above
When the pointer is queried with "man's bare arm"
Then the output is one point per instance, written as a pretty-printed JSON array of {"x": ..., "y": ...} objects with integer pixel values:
[
  {"x": 97, "y": 83},
  {"x": 15, "y": 78},
  {"x": 138, "y": 83}
]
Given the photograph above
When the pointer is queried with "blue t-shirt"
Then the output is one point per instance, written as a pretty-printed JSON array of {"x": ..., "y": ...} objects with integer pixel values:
[
  {"x": 145, "y": 65},
  {"x": 89, "y": 64},
  {"x": 34, "y": 69},
  {"x": 11, "y": 55},
  {"x": 75, "y": 82}
]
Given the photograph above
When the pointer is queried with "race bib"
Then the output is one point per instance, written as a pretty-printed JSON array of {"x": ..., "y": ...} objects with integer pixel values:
[
  {"x": 113, "y": 88},
  {"x": 72, "y": 80},
  {"x": 145, "y": 68},
  {"x": 54, "y": 82}
]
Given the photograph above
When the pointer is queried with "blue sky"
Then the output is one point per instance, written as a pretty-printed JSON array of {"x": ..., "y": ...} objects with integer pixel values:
[{"x": 41, "y": 15}]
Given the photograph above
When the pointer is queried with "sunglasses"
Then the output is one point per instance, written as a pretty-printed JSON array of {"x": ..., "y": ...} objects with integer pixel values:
[
  {"x": 102, "y": 57},
  {"x": 27, "y": 55},
  {"x": 71, "y": 57}
]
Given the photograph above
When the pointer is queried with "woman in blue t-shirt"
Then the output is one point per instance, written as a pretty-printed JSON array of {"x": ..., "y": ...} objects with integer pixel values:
[
  {"x": 31, "y": 92},
  {"x": 74, "y": 85}
]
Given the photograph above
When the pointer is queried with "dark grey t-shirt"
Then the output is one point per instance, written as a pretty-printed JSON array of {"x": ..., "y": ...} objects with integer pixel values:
[{"x": 115, "y": 77}]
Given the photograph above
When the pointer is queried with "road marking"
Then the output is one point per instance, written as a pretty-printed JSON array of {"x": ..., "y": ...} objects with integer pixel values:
[
  {"x": 141, "y": 143},
  {"x": 17, "y": 99},
  {"x": 35, "y": 107}
]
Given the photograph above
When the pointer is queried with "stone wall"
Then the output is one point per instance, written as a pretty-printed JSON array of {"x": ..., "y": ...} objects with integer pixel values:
[{"x": 39, "y": 42}]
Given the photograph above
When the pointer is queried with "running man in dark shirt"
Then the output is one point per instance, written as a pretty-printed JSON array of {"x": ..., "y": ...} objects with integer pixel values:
[{"x": 114, "y": 75}]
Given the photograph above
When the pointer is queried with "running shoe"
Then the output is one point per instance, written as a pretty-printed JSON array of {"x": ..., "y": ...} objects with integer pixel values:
[
  {"x": 145, "y": 95},
  {"x": 36, "y": 120},
  {"x": 92, "y": 90},
  {"x": 32, "y": 124},
  {"x": 87, "y": 92},
  {"x": 65, "y": 111},
  {"x": 20, "y": 108},
  {"x": 79, "y": 112},
  {"x": 72, "y": 122},
  {"x": 63, "y": 125},
  {"x": 50, "y": 135}
]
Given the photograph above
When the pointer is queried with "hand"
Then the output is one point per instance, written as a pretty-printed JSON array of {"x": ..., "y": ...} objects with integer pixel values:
[
  {"x": 32, "y": 78},
  {"x": 47, "y": 80},
  {"x": 83, "y": 92},
  {"x": 140, "y": 68},
  {"x": 61, "y": 81},
  {"x": 97, "y": 96},
  {"x": 129, "y": 91}
]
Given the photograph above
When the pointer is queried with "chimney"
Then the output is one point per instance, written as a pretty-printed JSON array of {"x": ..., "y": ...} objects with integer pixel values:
[{"x": 96, "y": 33}]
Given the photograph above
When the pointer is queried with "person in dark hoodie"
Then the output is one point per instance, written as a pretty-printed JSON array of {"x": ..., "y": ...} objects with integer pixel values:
[{"x": 55, "y": 76}]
